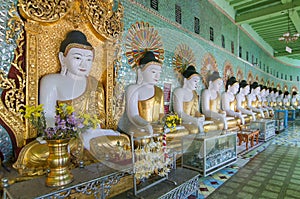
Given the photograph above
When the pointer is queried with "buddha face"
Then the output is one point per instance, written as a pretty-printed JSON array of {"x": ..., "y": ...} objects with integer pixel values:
[
  {"x": 78, "y": 61},
  {"x": 192, "y": 83},
  {"x": 216, "y": 85},
  {"x": 151, "y": 74},
  {"x": 234, "y": 88},
  {"x": 262, "y": 92},
  {"x": 256, "y": 91},
  {"x": 246, "y": 90}
]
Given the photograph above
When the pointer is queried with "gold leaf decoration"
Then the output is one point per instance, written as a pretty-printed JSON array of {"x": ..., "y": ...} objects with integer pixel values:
[
  {"x": 228, "y": 71},
  {"x": 239, "y": 74},
  {"x": 183, "y": 57},
  {"x": 208, "y": 64}
]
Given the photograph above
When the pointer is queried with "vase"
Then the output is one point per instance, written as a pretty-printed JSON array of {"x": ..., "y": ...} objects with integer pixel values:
[{"x": 58, "y": 163}]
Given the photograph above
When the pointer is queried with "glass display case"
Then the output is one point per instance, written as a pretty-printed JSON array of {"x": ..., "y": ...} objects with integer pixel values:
[
  {"x": 266, "y": 128},
  {"x": 210, "y": 152}
]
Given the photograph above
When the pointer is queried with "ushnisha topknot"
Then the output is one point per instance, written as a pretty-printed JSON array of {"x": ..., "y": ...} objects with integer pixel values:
[
  {"x": 74, "y": 39},
  {"x": 190, "y": 72},
  {"x": 294, "y": 93},
  {"x": 230, "y": 82},
  {"x": 148, "y": 59},
  {"x": 212, "y": 76},
  {"x": 286, "y": 93},
  {"x": 243, "y": 84},
  {"x": 254, "y": 85}
]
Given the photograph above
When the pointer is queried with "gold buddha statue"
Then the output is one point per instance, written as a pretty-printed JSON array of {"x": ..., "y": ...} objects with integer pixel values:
[{"x": 73, "y": 86}]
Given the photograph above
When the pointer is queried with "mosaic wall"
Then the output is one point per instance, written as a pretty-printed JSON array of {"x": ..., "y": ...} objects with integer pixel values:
[{"x": 173, "y": 33}]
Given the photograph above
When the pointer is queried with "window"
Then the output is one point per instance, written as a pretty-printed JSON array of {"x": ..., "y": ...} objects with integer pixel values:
[
  {"x": 297, "y": 78},
  {"x": 178, "y": 13},
  {"x": 211, "y": 34},
  {"x": 197, "y": 25},
  {"x": 252, "y": 59},
  {"x": 247, "y": 56},
  {"x": 154, "y": 4},
  {"x": 240, "y": 51},
  {"x": 232, "y": 47},
  {"x": 285, "y": 77},
  {"x": 277, "y": 75},
  {"x": 267, "y": 69},
  {"x": 260, "y": 64},
  {"x": 291, "y": 78},
  {"x": 264, "y": 69},
  {"x": 281, "y": 76},
  {"x": 223, "y": 41}
]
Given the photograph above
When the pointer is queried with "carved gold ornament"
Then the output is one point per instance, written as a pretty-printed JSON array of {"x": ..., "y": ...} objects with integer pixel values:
[
  {"x": 14, "y": 86},
  {"x": 250, "y": 78},
  {"x": 239, "y": 74},
  {"x": 46, "y": 24},
  {"x": 183, "y": 57},
  {"x": 209, "y": 63},
  {"x": 228, "y": 71},
  {"x": 142, "y": 37}
]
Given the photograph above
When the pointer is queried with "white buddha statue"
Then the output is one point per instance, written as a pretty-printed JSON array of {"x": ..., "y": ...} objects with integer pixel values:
[
  {"x": 186, "y": 100},
  {"x": 252, "y": 100},
  {"x": 75, "y": 87},
  {"x": 294, "y": 100},
  {"x": 211, "y": 99},
  {"x": 242, "y": 101},
  {"x": 274, "y": 98},
  {"x": 265, "y": 100},
  {"x": 279, "y": 100},
  {"x": 261, "y": 100},
  {"x": 287, "y": 100},
  {"x": 229, "y": 102}
]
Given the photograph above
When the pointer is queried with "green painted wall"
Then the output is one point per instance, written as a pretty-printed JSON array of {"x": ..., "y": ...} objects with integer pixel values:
[{"x": 173, "y": 34}]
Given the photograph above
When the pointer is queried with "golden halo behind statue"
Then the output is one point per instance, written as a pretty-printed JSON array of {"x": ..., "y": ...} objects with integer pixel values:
[
  {"x": 294, "y": 88},
  {"x": 272, "y": 84},
  {"x": 183, "y": 57},
  {"x": 268, "y": 83},
  {"x": 262, "y": 81},
  {"x": 208, "y": 64},
  {"x": 285, "y": 88},
  {"x": 239, "y": 74},
  {"x": 257, "y": 78},
  {"x": 250, "y": 78},
  {"x": 228, "y": 71},
  {"x": 142, "y": 37},
  {"x": 278, "y": 86}
]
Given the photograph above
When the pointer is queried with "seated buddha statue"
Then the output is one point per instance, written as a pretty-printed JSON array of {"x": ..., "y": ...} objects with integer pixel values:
[
  {"x": 269, "y": 97},
  {"x": 279, "y": 100},
  {"x": 186, "y": 103},
  {"x": 144, "y": 107},
  {"x": 294, "y": 100},
  {"x": 265, "y": 101},
  {"x": 242, "y": 101},
  {"x": 211, "y": 101},
  {"x": 274, "y": 98},
  {"x": 287, "y": 101},
  {"x": 261, "y": 100},
  {"x": 252, "y": 100},
  {"x": 75, "y": 87},
  {"x": 229, "y": 102}
]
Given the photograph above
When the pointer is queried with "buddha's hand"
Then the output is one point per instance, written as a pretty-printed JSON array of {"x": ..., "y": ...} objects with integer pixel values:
[{"x": 253, "y": 117}]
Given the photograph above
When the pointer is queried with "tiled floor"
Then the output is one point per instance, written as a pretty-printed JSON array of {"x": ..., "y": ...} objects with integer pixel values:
[{"x": 273, "y": 173}]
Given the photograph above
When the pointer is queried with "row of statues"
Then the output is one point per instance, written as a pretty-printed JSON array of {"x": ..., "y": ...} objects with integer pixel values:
[{"x": 144, "y": 109}]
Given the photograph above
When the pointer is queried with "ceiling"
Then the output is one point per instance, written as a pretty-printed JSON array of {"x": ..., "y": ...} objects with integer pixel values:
[{"x": 266, "y": 21}]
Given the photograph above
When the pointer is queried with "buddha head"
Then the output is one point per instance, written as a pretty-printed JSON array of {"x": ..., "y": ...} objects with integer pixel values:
[
  {"x": 255, "y": 89},
  {"x": 286, "y": 95},
  {"x": 76, "y": 55},
  {"x": 275, "y": 92},
  {"x": 232, "y": 85},
  {"x": 280, "y": 93},
  {"x": 262, "y": 90},
  {"x": 214, "y": 81},
  {"x": 244, "y": 87},
  {"x": 149, "y": 69},
  {"x": 266, "y": 91},
  {"x": 294, "y": 94},
  {"x": 191, "y": 78}
]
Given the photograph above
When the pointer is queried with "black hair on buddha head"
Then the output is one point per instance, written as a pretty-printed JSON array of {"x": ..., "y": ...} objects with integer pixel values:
[
  {"x": 74, "y": 39},
  {"x": 286, "y": 93},
  {"x": 270, "y": 89},
  {"x": 212, "y": 76},
  {"x": 294, "y": 93},
  {"x": 280, "y": 92},
  {"x": 265, "y": 87},
  {"x": 243, "y": 84},
  {"x": 230, "y": 82},
  {"x": 275, "y": 90},
  {"x": 148, "y": 59},
  {"x": 261, "y": 86},
  {"x": 189, "y": 72},
  {"x": 254, "y": 85}
]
